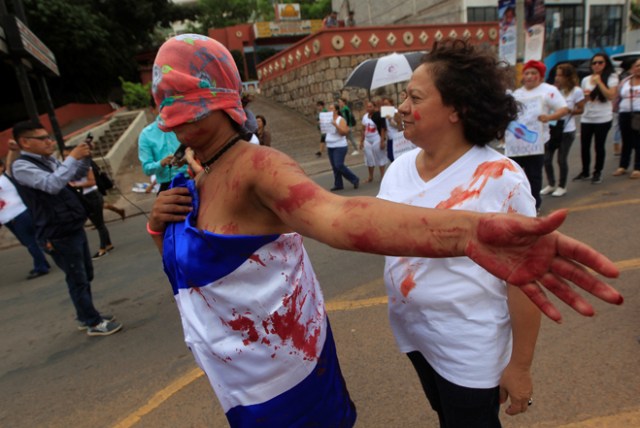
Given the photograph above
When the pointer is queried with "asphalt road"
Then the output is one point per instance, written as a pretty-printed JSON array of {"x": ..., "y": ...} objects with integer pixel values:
[{"x": 586, "y": 372}]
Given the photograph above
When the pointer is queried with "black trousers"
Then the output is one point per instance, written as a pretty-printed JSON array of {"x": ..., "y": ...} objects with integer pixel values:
[
  {"x": 457, "y": 406},
  {"x": 532, "y": 166}
]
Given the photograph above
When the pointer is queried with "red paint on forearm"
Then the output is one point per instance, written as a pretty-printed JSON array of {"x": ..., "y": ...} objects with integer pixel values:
[{"x": 299, "y": 194}]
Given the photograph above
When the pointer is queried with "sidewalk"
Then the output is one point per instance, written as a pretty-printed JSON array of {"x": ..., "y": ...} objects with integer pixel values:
[{"x": 291, "y": 133}]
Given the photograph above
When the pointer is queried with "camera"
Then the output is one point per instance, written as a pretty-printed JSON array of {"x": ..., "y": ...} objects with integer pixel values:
[{"x": 89, "y": 139}]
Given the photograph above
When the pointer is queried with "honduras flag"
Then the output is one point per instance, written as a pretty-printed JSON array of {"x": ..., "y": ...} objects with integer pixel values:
[{"x": 253, "y": 316}]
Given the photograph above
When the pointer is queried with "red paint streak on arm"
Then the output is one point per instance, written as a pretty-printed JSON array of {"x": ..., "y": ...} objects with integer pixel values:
[{"x": 299, "y": 194}]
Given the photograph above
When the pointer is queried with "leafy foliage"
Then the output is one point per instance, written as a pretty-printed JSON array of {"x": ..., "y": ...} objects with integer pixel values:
[
  {"x": 136, "y": 95},
  {"x": 96, "y": 41}
]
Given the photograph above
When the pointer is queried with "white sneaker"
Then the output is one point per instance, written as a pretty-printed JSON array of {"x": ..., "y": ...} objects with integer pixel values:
[
  {"x": 560, "y": 191},
  {"x": 547, "y": 190},
  {"x": 355, "y": 152}
]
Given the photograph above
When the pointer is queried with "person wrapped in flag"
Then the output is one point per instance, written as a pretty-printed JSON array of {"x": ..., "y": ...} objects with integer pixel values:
[{"x": 231, "y": 240}]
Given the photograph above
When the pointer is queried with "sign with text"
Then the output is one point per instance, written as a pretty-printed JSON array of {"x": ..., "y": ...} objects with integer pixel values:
[{"x": 22, "y": 42}]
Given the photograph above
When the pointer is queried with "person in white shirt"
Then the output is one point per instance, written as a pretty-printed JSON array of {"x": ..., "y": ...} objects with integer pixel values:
[
  {"x": 454, "y": 320},
  {"x": 394, "y": 126},
  {"x": 16, "y": 217},
  {"x": 374, "y": 139},
  {"x": 564, "y": 132},
  {"x": 628, "y": 103},
  {"x": 337, "y": 147},
  {"x": 541, "y": 103},
  {"x": 599, "y": 89}
]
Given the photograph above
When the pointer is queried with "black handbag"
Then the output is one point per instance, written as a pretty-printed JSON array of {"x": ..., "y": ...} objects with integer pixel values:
[{"x": 103, "y": 181}]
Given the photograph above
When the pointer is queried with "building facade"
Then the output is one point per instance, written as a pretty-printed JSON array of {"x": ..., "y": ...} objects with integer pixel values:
[{"x": 570, "y": 24}]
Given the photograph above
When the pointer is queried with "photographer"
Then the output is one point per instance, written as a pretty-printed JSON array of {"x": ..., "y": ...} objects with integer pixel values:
[
  {"x": 155, "y": 151},
  {"x": 59, "y": 215}
]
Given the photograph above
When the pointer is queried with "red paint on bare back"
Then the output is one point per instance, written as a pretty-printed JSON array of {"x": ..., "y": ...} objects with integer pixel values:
[
  {"x": 416, "y": 115},
  {"x": 407, "y": 284},
  {"x": 481, "y": 176},
  {"x": 242, "y": 323},
  {"x": 256, "y": 258},
  {"x": 299, "y": 194}
]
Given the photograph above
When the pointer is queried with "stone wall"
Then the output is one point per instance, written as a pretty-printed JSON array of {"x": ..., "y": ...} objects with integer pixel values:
[{"x": 322, "y": 80}]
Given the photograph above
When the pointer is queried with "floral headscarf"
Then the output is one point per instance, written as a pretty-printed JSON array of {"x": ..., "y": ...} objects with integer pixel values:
[{"x": 194, "y": 75}]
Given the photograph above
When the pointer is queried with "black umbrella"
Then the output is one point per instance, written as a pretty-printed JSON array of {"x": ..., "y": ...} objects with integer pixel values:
[{"x": 386, "y": 70}]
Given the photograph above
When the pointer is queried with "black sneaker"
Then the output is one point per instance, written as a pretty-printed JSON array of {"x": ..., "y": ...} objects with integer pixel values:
[
  {"x": 596, "y": 179},
  {"x": 105, "y": 328},
  {"x": 581, "y": 176},
  {"x": 105, "y": 317}
]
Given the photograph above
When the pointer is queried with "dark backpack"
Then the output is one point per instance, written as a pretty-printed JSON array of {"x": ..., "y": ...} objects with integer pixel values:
[{"x": 348, "y": 116}]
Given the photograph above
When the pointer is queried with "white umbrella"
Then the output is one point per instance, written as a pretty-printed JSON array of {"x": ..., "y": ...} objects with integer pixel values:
[{"x": 386, "y": 70}]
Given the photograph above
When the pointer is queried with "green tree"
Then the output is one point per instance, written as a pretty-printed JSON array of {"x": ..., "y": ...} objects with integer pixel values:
[
  {"x": 96, "y": 41},
  {"x": 223, "y": 13}
]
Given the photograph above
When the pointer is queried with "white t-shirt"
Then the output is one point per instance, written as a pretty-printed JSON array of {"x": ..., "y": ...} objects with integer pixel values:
[
  {"x": 572, "y": 98},
  {"x": 392, "y": 131},
  {"x": 597, "y": 111},
  {"x": 627, "y": 102},
  {"x": 11, "y": 205},
  {"x": 333, "y": 138},
  {"x": 452, "y": 310},
  {"x": 370, "y": 130},
  {"x": 526, "y": 135}
]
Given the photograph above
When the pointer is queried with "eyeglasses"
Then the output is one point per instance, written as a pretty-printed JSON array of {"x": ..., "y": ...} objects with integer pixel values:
[
  {"x": 597, "y": 62},
  {"x": 42, "y": 137}
]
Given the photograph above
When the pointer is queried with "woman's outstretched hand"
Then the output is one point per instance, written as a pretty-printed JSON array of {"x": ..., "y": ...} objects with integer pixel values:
[{"x": 530, "y": 253}]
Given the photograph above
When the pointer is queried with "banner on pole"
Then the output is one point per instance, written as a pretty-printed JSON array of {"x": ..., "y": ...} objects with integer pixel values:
[
  {"x": 508, "y": 34},
  {"x": 534, "y": 29}
]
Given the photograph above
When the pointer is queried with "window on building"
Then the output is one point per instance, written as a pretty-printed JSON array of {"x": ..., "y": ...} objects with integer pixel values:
[
  {"x": 482, "y": 14},
  {"x": 564, "y": 27},
  {"x": 605, "y": 26}
]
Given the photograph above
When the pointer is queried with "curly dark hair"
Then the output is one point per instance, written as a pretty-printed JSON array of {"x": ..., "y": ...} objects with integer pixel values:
[{"x": 474, "y": 82}]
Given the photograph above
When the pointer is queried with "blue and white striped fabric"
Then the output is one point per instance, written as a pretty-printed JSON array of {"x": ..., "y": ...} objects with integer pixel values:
[{"x": 254, "y": 318}]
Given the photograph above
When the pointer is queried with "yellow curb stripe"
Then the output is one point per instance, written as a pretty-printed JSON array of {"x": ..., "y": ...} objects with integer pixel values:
[
  {"x": 160, "y": 397},
  {"x": 628, "y": 419},
  {"x": 603, "y": 205},
  {"x": 332, "y": 306}
]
